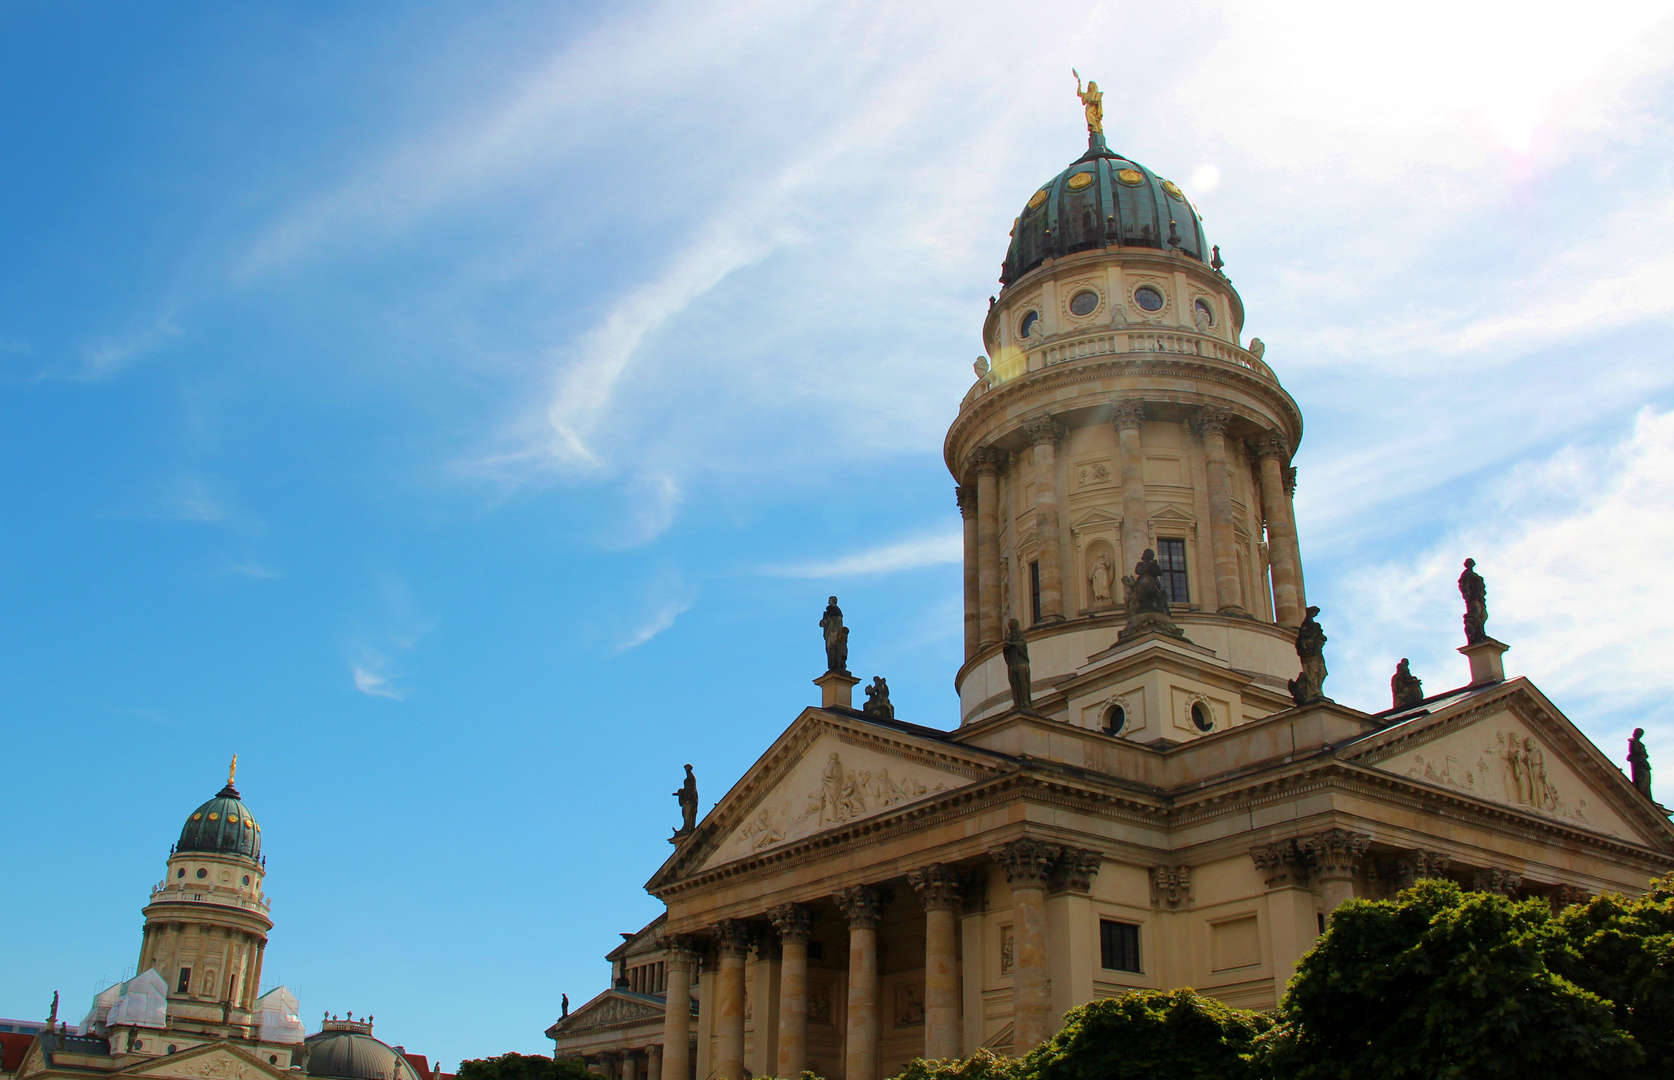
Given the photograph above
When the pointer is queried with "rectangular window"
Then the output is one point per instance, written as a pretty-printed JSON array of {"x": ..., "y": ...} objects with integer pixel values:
[
  {"x": 184, "y": 986},
  {"x": 1118, "y": 946},
  {"x": 1171, "y": 555},
  {"x": 1034, "y": 590}
]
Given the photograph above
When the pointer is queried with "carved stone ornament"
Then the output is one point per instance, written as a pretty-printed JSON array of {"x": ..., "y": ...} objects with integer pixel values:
[
  {"x": 794, "y": 922},
  {"x": 862, "y": 905},
  {"x": 218, "y": 1067},
  {"x": 1567, "y": 895},
  {"x": 986, "y": 459},
  {"x": 1497, "y": 879},
  {"x": 1257, "y": 348},
  {"x": 939, "y": 886},
  {"x": 1270, "y": 445},
  {"x": 1280, "y": 863},
  {"x": 1127, "y": 414},
  {"x": 1416, "y": 865},
  {"x": 1210, "y": 420},
  {"x": 610, "y": 1012},
  {"x": 1309, "y": 686},
  {"x": 1512, "y": 769},
  {"x": 1147, "y": 601},
  {"x": 1334, "y": 852},
  {"x": 1092, "y": 474},
  {"x": 1474, "y": 590},
  {"x": 966, "y": 497},
  {"x": 680, "y": 949},
  {"x": 1171, "y": 885},
  {"x": 1028, "y": 863},
  {"x": 878, "y": 704},
  {"x": 1043, "y": 429},
  {"x": 1406, "y": 690},
  {"x": 1075, "y": 870},
  {"x": 733, "y": 937}
]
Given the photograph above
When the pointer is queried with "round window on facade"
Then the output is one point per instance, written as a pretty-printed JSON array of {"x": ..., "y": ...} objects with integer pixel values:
[
  {"x": 173, "y": 1048},
  {"x": 1084, "y": 302},
  {"x": 180, "y": 873},
  {"x": 1027, "y": 327},
  {"x": 1205, "y": 310},
  {"x": 1148, "y": 298},
  {"x": 1202, "y": 719},
  {"x": 273, "y": 1059},
  {"x": 246, "y": 879},
  {"x": 1115, "y": 719},
  {"x": 139, "y": 1044},
  {"x": 202, "y": 873}
]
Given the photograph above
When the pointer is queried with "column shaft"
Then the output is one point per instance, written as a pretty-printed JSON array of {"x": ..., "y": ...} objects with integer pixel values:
[
  {"x": 793, "y": 1009},
  {"x": 1136, "y": 519},
  {"x": 973, "y": 595},
  {"x": 1281, "y": 544},
  {"x": 1033, "y": 1003},
  {"x": 941, "y": 986},
  {"x": 630, "y": 1066},
  {"x": 988, "y": 548},
  {"x": 677, "y": 1017},
  {"x": 1050, "y": 554},
  {"x": 862, "y": 905},
  {"x": 729, "y": 1001},
  {"x": 1228, "y": 595},
  {"x": 653, "y": 1063}
]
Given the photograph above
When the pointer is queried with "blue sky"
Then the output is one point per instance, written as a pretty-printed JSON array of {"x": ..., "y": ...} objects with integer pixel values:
[{"x": 461, "y": 411}]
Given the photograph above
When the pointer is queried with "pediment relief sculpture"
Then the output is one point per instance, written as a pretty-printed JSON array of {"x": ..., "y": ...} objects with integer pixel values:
[
  {"x": 214, "y": 1065},
  {"x": 832, "y": 784},
  {"x": 612, "y": 1011}
]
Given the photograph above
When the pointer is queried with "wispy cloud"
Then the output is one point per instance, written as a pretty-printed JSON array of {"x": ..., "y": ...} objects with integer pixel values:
[
  {"x": 934, "y": 550},
  {"x": 251, "y": 568},
  {"x": 372, "y": 660},
  {"x": 107, "y": 356},
  {"x": 660, "y": 620},
  {"x": 370, "y": 679}
]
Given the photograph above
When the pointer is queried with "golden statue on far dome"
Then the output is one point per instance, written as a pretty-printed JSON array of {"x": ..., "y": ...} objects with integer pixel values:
[
  {"x": 232, "y": 770},
  {"x": 1092, "y": 101}
]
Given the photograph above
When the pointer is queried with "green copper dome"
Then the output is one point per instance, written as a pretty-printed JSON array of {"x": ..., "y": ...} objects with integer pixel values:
[
  {"x": 223, "y": 826},
  {"x": 1103, "y": 198}
]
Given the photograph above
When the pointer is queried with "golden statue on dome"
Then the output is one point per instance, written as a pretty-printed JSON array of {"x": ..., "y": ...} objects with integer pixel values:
[
  {"x": 1092, "y": 101},
  {"x": 232, "y": 770}
]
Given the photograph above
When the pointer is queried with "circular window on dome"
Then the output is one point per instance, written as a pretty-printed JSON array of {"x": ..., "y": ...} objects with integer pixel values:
[
  {"x": 1148, "y": 298},
  {"x": 1080, "y": 180},
  {"x": 246, "y": 879},
  {"x": 180, "y": 873},
  {"x": 1168, "y": 186},
  {"x": 1037, "y": 198},
  {"x": 1130, "y": 177},
  {"x": 195, "y": 817},
  {"x": 214, "y": 817},
  {"x": 202, "y": 873},
  {"x": 1202, "y": 718},
  {"x": 1203, "y": 308},
  {"x": 1115, "y": 719},
  {"x": 1084, "y": 302},
  {"x": 1027, "y": 326}
]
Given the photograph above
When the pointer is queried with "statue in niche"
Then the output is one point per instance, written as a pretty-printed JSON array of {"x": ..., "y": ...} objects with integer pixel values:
[
  {"x": 1406, "y": 688},
  {"x": 1099, "y": 581},
  {"x": 877, "y": 700},
  {"x": 836, "y": 639},
  {"x": 1639, "y": 762},
  {"x": 1017, "y": 667},
  {"x": 1309, "y": 686},
  {"x": 1147, "y": 600},
  {"x": 688, "y": 796},
  {"x": 1475, "y": 592},
  {"x": 1092, "y": 104}
]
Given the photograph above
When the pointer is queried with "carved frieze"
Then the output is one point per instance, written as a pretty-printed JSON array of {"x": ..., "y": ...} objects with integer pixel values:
[
  {"x": 1511, "y": 769},
  {"x": 609, "y": 1013}
]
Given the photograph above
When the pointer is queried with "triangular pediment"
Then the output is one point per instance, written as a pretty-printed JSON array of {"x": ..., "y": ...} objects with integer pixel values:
[
  {"x": 214, "y": 1061},
  {"x": 1094, "y": 517},
  {"x": 826, "y": 772},
  {"x": 1516, "y": 750},
  {"x": 613, "y": 1008},
  {"x": 1170, "y": 512}
]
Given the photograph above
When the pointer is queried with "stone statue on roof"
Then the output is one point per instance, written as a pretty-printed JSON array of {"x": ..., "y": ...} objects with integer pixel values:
[
  {"x": 1309, "y": 686},
  {"x": 1017, "y": 667},
  {"x": 1406, "y": 688},
  {"x": 1639, "y": 762},
  {"x": 1475, "y": 592},
  {"x": 877, "y": 700},
  {"x": 836, "y": 638},
  {"x": 687, "y": 793}
]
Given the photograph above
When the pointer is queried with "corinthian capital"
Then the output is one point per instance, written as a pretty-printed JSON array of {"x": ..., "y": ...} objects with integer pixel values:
[
  {"x": 986, "y": 459},
  {"x": 1210, "y": 420},
  {"x": 1075, "y": 870},
  {"x": 795, "y": 922},
  {"x": 1270, "y": 445},
  {"x": 939, "y": 886},
  {"x": 733, "y": 937},
  {"x": 1280, "y": 863},
  {"x": 1043, "y": 429},
  {"x": 1128, "y": 414},
  {"x": 1027, "y": 862},
  {"x": 966, "y": 497},
  {"x": 862, "y": 905},
  {"x": 1334, "y": 852}
]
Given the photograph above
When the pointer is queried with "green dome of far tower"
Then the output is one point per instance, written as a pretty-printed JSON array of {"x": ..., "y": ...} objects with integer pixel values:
[{"x": 223, "y": 826}]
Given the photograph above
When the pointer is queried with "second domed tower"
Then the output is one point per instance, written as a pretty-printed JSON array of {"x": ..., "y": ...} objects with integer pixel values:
[{"x": 1120, "y": 412}]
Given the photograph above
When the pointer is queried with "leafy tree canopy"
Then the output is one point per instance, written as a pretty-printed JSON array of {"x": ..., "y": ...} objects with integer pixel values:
[
  {"x": 524, "y": 1067},
  {"x": 1152, "y": 1035},
  {"x": 1623, "y": 950}
]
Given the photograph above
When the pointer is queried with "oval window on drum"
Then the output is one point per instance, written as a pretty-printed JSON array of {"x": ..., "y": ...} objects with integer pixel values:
[
  {"x": 1208, "y": 313},
  {"x": 1148, "y": 298},
  {"x": 1027, "y": 327},
  {"x": 1084, "y": 302}
]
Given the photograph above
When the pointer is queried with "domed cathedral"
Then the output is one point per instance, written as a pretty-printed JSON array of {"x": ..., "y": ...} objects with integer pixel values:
[
  {"x": 1148, "y": 785},
  {"x": 1119, "y": 414},
  {"x": 195, "y": 1010}
]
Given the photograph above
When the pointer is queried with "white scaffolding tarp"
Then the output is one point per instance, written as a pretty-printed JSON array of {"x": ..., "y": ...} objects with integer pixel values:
[
  {"x": 280, "y": 1016},
  {"x": 142, "y": 1001}
]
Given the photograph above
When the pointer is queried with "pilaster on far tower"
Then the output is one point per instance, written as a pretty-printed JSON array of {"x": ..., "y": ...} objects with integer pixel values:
[{"x": 1121, "y": 411}]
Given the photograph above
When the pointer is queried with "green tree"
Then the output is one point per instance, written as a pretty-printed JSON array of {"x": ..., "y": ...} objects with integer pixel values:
[
  {"x": 1441, "y": 984},
  {"x": 524, "y": 1067},
  {"x": 1152, "y": 1035},
  {"x": 1623, "y": 950},
  {"x": 982, "y": 1065}
]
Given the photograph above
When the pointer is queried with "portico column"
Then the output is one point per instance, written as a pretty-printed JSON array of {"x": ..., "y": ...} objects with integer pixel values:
[
  {"x": 942, "y": 892},
  {"x": 677, "y": 1012},
  {"x": 1028, "y": 863},
  {"x": 1211, "y": 426},
  {"x": 862, "y": 905},
  {"x": 1044, "y": 433},
  {"x": 653, "y": 1062},
  {"x": 795, "y": 923},
  {"x": 1292, "y": 923},
  {"x": 986, "y": 462},
  {"x": 630, "y": 1065},
  {"x": 1335, "y": 855},
  {"x": 732, "y": 941},
  {"x": 967, "y": 497},
  {"x": 1128, "y": 417},
  {"x": 1281, "y": 533}
]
